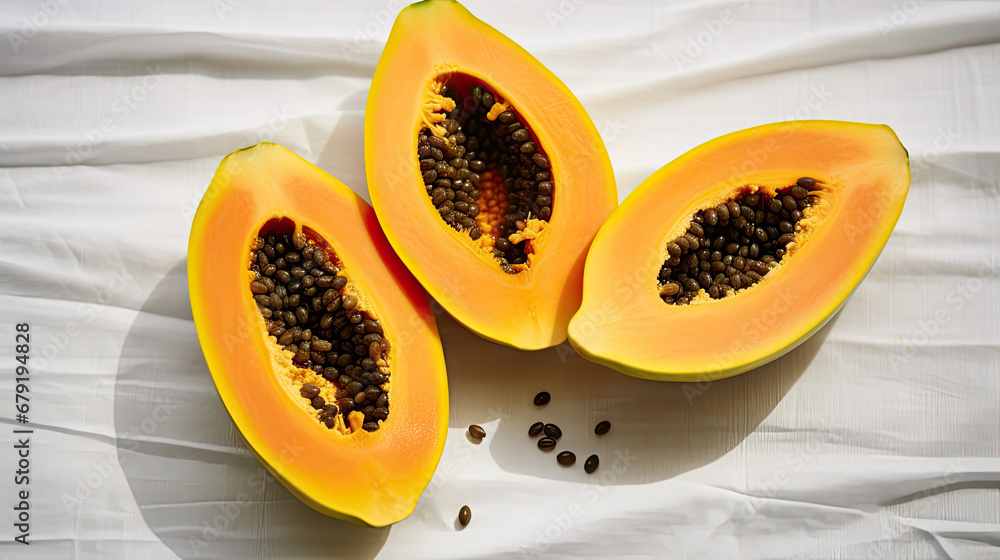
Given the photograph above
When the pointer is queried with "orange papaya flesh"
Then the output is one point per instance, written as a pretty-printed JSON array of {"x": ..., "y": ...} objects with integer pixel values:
[
  {"x": 345, "y": 463},
  {"x": 861, "y": 174},
  {"x": 499, "y": 236}
]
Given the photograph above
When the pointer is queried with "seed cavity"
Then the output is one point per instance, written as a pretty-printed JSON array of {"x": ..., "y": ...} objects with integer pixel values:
[
  {"x": 483, "y": 168},
  {"x": 337, "y": 351},
  {"x": 733, "y": 245}
]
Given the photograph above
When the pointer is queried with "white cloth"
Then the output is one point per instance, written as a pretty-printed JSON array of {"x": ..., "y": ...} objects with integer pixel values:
[{"x": 879, "y": 438}]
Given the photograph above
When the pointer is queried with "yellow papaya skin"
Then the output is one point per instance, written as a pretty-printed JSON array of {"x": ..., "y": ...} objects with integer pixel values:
[
  {"x": 863, "y": 173},
  {"x": 529, "y": 310},
  {"x": 369, "y": 478}
]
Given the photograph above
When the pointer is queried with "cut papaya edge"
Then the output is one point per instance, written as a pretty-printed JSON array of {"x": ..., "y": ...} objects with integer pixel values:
[{"x": 872, "y": 153}]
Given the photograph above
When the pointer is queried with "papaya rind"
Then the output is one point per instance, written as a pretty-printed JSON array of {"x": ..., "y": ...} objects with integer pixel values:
[
  {"x": 591, "y": 346},
  {"x": 503, "y": 308},
  {"x": 239, "y": 176}
]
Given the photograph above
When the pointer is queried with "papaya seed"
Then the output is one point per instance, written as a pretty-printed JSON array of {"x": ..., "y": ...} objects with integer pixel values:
[
  {"x": 741, "y": 237},
  {"x": 312, "y": 328}
]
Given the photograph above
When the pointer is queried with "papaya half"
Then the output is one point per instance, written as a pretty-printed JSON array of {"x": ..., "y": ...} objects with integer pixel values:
[
  {"x": 739, "y": 250},
  {"x": 486, "y": 173},
  {"x": 321, "y": 344}
]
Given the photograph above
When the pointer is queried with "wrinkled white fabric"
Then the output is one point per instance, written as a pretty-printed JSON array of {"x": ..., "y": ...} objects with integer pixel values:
[{"x": 878, "y": 438}]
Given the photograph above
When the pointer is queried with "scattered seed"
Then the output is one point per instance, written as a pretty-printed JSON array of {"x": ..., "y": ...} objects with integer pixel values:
[
  {"x": 464, "y": 515},
  {"x": 590, "y": 465},
  {"x": 602, "y": 427},
  {"x": 536, "y": 429},
  {"x": 477, "y": 431},
  {"x": 566, "y": 458},
  {"x": 546, "y": 444},
  {"x": 542, "y": 398},
  {"x": 552, "y": 431}
]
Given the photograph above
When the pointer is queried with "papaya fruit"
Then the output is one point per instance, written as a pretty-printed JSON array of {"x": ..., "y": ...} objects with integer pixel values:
[
  {"x": 739, "y": 250},
  {"x": 486, "y": 173},
  {"x": 321, "y": 344}
]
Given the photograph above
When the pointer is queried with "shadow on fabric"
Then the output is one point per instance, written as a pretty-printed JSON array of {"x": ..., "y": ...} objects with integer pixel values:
[
  {"x": 659, "y": 429},
  {"x": 204, "y": 494},
  {"x": 199, "y": 487}
]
